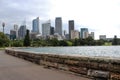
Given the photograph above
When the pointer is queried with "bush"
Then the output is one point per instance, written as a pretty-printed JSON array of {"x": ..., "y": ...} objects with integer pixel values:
[{"x": 4, "y": 41}]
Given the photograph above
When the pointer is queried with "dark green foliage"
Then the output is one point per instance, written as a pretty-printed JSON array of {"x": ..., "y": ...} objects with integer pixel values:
[
  {"x": 27, "y": 39},
  {"x": 55, "y": 42},
  {"x": 4, "y": 41},
  {"x": 115, "y": 41},
  {"x": 63, "y": 43},
  {"x": 76, "y": 42},
  {"x": 16, "y": 43}
]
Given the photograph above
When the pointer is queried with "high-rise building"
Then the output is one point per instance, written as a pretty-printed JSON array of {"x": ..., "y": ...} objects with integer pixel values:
[
  {"x": 58, "y": 25},
  {"x": 12, "y": 34},
  {"x": 22, "y": 32},
  {"x": 46, "y": 28},
  {"x": 74, "y": 34},
  {"x": 35, "y": 25},
  {"x": 84, "y": 33},
  {"x": 16, "y": 29},
  {"x": 103, "y": 37},
  {"x": 71, "y": 27},
  {"x": 92, "y": 35},
  {"x": 52, "y": 31}
]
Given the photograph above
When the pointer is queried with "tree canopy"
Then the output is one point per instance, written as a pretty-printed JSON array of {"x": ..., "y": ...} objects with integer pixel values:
[
  {"x": 4, "y": 41},
  {"x": 27, "y": 39}
]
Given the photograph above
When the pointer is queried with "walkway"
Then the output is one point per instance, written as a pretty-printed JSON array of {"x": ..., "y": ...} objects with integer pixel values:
[{"x": 12, "y": 68}]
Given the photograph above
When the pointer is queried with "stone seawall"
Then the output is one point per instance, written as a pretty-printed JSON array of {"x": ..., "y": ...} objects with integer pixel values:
[{"x": 105, "y": 69}]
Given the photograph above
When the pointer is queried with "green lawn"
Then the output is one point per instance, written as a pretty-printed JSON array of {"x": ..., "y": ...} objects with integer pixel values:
[
  {"x": 108, "y": 44},
  {"x": 2, "y": 48}
]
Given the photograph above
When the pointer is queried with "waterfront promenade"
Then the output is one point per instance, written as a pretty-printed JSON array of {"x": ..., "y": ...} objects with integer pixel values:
[{"x": 12, "y": 68}]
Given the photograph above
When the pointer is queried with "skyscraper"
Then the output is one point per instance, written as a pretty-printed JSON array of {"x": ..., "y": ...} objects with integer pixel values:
[
  {"x": 12, "y": 34},
  {"x": 16, "y": 29},
  {"x": 22, "y": 32},
  {"x": 52, "y": 30},
  {"x": 84, "y": 33},
  {"x": 35, "y": 25},
  {"x": 58, "y": 25},
  {"x": 71, "y": 27},
  {"x": 46, "y": 28}
]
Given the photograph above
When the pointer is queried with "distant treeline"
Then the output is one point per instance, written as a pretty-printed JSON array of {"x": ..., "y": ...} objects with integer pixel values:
[
  {"x": 76, "y": 42},
  {"x": 5, "y": 42}
]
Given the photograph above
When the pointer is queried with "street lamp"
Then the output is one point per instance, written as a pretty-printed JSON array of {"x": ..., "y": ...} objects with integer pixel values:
[{"x": 3, "y": 24}]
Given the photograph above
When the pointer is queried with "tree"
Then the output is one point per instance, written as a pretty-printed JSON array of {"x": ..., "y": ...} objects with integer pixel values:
[
  {"x": 4, "y": 41},
  {"x": 16, "y": 43},
  {"x": 75, "y": 42},
  {"x": 115, "y": 41},
  {"x": 90, "y": 41},
  {"x": 27, "y": 39},
  {"x": 63, "y": 43}
]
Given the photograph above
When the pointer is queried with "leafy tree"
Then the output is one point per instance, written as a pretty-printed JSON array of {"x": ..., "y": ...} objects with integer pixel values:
[
  {"x": 16, "y": 43},
  {"x": 63, "y": 43},
  {"x": 115, "y": 41},
  {"x": 4, "y": 41},
  {"x": 75, "y": 42},
  {"x": 69, "y": 43},
  {"x": 90, "y": 41},
  {"x": 55, "y": 42},
  {"x": 27, "y": 39},
  {"x": 100, "y": 42}
]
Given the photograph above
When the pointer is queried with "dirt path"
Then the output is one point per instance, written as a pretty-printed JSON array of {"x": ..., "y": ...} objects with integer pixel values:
[{"x": 12, "y": 68}]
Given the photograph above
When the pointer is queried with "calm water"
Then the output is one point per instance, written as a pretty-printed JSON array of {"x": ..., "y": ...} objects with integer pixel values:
[{"x": 91, "y": 51}]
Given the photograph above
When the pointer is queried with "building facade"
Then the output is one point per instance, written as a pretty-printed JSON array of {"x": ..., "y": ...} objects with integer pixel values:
[
  {"x": 52, "y": 31},
  {"x": 71, "y": 27},
  {"x": 92, "y": 34},
  {"x": 74, "y": 34},
  {"x": 84, "y": 33},
  {"x": 16, "y": 29},
  {"x": 12, "y": 34},
  {"x": 46, "y": 28},
  {"x": 102, "y": 37},
  {"x": 58, "y": 25},
  {"x": 22, "y": 32},
  {"x": 35, "y": 25}
]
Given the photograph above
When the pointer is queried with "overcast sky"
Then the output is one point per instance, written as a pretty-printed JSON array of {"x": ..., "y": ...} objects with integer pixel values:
[{"x": 100, "y": 16}]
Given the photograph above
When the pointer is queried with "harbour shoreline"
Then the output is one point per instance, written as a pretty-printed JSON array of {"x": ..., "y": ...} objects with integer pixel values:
[{"x": 90, "y": 67}]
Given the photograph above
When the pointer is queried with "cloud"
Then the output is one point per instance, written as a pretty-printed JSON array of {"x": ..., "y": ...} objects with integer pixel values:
[
  {"x": 101, "y": 16},
  {"x": 16, "y": 11}
]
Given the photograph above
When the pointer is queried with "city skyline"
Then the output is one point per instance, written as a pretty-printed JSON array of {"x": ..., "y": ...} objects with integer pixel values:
[{"x": 101, "y": 16}]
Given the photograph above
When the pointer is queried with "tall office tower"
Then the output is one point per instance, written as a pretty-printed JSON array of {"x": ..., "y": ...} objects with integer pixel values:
[
  {"x": 84, "y": 33},
  {"x": 16, "y": 29},
  {"x": 46, "y": 28},
  {"x": 52, "y": 30},
  {"x": 71, "y": 27},
  {"x": 35, "y": 25},
  {"x": 92, "y": 35},
  {"x": 22, "y": 32},
  {"x": 12, "y": 34},
  {"x": 58, "y": 25}
]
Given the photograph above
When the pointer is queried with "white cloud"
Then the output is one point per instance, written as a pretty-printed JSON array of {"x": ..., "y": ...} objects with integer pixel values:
[{"x": 100, "y": 15}]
